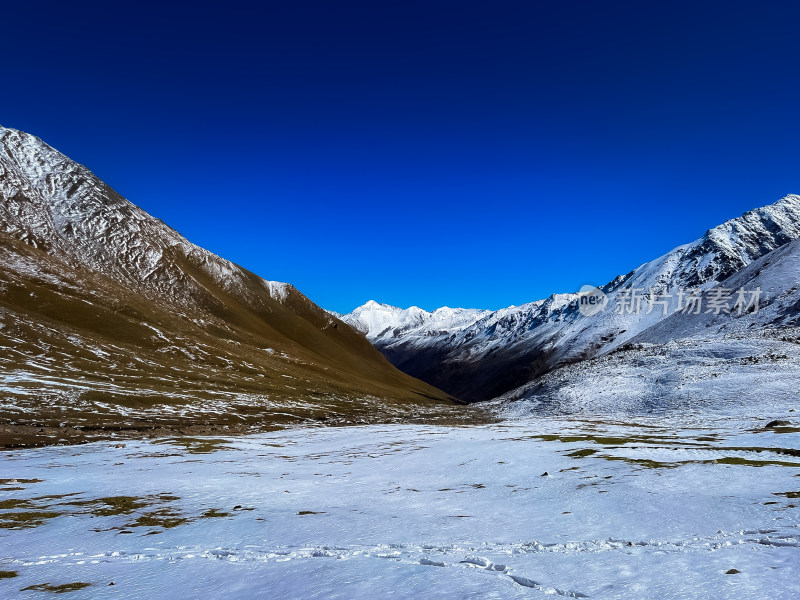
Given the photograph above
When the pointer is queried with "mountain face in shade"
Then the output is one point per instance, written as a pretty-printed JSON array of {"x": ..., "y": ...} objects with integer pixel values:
[
  {"x": 111, "y": 319},
  {"x": 479, "y": 355}
]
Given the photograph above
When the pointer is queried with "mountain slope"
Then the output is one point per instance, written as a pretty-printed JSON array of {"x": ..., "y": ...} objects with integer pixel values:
[
  {"x": 702, "y": 362},
  {"x": 111, "y": 319},
  {"x": 776, "y": 275},
  {"x": 505, "y": 349}
]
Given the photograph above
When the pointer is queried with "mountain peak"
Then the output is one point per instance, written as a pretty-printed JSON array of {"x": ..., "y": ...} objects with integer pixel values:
[
  {"x": 59, "y": 206},
  {"x": 371, "y": 304}
]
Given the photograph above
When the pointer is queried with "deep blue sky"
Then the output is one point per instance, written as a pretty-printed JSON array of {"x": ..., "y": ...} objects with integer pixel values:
[{"x": 429, "y": 153}]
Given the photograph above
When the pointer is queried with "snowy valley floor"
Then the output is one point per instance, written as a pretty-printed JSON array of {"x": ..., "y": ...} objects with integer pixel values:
[{"x": 639, "y": 509}]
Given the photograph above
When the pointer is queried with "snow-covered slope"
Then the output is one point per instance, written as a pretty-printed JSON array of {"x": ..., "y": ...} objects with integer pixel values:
[
  {"x": 776, "y": 275},
  {"x": 504, "y": 349},
  {"x": 714, "y": 375},
  {"x": 703, "y": 361},
  {"x": 109, "y": 318},
  {"x": 667, "y": 508}
]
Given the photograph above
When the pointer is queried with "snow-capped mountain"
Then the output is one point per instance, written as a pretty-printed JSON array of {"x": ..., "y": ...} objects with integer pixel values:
[
  {"x": 382, "y": 321},
  {"x": 111, "y": 319},
  {"x": 700, "y": 361},
  {"x": 58, "y": 206},
  {"x": 505, "y": 349},
  {"x": 775, "y": 275}
]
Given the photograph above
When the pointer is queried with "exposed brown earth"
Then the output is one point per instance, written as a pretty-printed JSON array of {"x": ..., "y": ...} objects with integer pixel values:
[{"x": 112, "y": 324}]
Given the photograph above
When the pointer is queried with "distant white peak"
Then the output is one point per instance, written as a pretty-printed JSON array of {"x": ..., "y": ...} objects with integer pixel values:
[
  {"x": 445, "y": 312},
  {"x": 373, "y": 305}
]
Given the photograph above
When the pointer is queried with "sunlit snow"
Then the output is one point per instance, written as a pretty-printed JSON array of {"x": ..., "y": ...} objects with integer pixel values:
[{"x": 643, "y": 508}]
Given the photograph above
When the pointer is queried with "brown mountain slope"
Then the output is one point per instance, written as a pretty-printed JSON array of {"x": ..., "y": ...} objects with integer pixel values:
[{"x": 111, "y": 321}]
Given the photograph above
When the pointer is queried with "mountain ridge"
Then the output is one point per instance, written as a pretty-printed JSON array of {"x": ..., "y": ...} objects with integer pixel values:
[
  {"x": 504, "y": 349},
  {"x": 695, "y": 362},
  {"x": 113, "y": 321}
]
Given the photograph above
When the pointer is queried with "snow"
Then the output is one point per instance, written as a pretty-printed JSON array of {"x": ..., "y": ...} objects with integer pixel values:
[
  {"x": 382, "y": 320},
  {"x": 645, "y": 472},
  {"x": 277, "y": 290},
  {"x": 720, "y": 375},
  {"x": 553, "y": 328},
  {"x": 711, "y": 360},
  {"x": 776, "y": 275},
  {"x": 51, "y": 202},
  {"x": 648, "y": 508}
]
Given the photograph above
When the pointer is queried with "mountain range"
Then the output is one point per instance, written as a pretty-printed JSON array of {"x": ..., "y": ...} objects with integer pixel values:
[
  {"x": 480, "y": 355},
  {"x": 112, "y": 323}
]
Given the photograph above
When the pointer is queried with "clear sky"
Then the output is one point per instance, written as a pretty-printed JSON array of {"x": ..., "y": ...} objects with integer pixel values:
[{"x": 430, "y": 153}]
